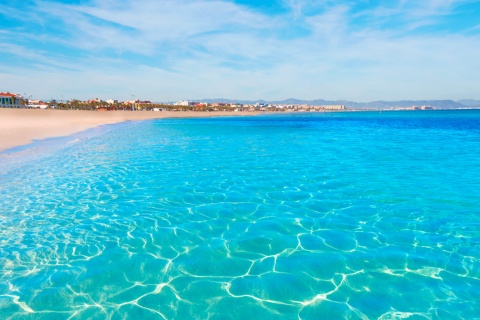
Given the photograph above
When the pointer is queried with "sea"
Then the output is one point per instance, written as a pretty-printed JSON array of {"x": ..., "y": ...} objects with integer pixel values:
[{"x": 341, "y": 215}]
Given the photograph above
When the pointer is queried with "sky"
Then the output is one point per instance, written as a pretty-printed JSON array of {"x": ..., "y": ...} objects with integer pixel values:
[{"x": 169, "y": 50}]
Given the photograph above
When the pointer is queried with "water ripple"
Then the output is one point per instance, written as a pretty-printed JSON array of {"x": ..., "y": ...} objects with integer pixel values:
[{"x": 299, "y": 217}]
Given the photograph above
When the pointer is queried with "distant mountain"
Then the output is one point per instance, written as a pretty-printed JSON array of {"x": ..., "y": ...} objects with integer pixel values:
[
  {"x": 470, "y": 102},
  {"x": 440, "y": 104}
]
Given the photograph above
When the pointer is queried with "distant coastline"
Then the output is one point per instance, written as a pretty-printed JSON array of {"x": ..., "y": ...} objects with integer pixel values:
[
  {"x": 23, "y": 119},
  {"x": 8, "y": 99}
]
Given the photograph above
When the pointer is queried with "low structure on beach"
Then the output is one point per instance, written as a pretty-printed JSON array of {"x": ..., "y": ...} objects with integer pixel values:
[
  {"x": 37, "y": 104},
  {"x": 11, "y": 100}
]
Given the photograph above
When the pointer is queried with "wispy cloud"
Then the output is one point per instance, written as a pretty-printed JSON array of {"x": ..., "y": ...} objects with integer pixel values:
[{"x": 211, "y": 48}]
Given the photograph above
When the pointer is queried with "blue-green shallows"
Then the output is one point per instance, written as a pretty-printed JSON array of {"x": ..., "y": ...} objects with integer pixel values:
[{"x": 308, "y": 216}]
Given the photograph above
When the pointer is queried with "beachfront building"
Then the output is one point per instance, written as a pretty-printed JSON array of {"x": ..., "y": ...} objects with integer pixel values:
[
  {"x": 11, "y": 100},
  {"x": 37, "y": 104},
  {"x": 185, "y": 103}
]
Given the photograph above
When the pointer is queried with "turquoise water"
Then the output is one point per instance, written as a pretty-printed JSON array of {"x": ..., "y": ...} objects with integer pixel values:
[{"x": 309, "y": 216}]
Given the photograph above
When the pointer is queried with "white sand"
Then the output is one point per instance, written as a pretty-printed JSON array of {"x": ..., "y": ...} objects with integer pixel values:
[{"x": 20, "y": 126}]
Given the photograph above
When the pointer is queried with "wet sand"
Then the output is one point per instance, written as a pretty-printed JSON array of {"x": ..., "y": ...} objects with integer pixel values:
[{"x": 21, "y": 126}]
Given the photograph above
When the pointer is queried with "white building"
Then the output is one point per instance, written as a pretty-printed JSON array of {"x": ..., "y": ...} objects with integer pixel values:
[
  {"x": 11, "y": 100},
  {"x": 185, "y": 103},
  {"x": 37, "y": 104}
]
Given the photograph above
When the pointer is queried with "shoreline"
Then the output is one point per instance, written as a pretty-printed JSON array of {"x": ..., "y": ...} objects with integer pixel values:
[{"x": 20, "y": 127}]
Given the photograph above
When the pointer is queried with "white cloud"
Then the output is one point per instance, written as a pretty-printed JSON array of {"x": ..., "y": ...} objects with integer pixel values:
[
  {"x": 171, "y": 50},
  {"x": 143, "y": 26}
]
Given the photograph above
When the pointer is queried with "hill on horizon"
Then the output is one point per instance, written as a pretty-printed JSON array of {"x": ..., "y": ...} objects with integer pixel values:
[{"x": 380, "y": 104}]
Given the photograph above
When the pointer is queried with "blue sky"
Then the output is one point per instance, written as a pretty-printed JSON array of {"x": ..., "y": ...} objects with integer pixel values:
[{"x": 166, "y": 50}]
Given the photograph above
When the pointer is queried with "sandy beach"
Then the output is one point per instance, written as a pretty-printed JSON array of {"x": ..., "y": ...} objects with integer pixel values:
[{"x": 21, "y": 126}]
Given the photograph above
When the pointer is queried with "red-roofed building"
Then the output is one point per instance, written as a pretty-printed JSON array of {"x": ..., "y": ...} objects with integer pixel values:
[{"x": 11, "y": 100}]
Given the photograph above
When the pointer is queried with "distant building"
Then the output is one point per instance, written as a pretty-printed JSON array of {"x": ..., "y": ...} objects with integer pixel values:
[
  {"x": 111, "y": 101},
  {"x": 422, "y": 108},
  {"x": 329, "y": 107},
  {"x": 185, "y": 103},
  {"x": 11, "y": 100},
  {"x": 37, "y": 104}
]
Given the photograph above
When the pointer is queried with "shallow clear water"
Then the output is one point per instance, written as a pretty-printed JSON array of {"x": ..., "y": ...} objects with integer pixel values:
[{"x": 336, "y": 215}]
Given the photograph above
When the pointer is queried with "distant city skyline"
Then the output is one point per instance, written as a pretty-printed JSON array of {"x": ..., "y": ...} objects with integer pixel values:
[{"x": 247, "y": 50}]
